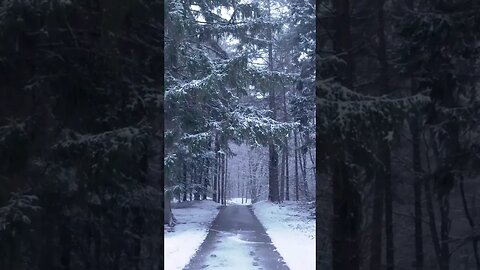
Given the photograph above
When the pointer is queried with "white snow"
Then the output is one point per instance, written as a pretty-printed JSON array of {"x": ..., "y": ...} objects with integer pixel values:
[
  {"x": 239, "y": 201},
  {"x": 292, "y": 230},
  {"x": 183, "y": 240}
]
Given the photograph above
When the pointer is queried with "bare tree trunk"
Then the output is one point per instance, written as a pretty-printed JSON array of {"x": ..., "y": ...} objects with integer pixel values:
[
  {"x": 296, "y": 164},
  {"x": 417, "y": 169},
  {"x": 273, "y": 153},
  {"x": 225, "y": 182},
  {"x": 65, "y": 244},
  {"x": 184, "y": 181},
  {"x": 471, "y": 223},
  {"x": 431, "y": 215},
  {"x": 429, "y": 205},
  {"x": 305, "y": 183},
  {"x": 216, "y": 172},
  {"x": 385, "y": 152},
  {"x": 303, "y": 166},
  {"x": 192, "y": 182},
  {"x": 444, "y": 202},
  {"x": 377, "y": 221},
  {"x": 346, "y": 224},
  {"x": 222, "y": 178},
  {"x": 346, "y": 199},
  {"x": 206, "y": 178},
  {"x": 243, "y": 188},
  {"x": 389, "y": 211},
  {"x": 246, "y": 192},
  {"x": 287, "y": 183},
  {"x": 417, "y": 190},
  {"x": 282, "y": 177}
]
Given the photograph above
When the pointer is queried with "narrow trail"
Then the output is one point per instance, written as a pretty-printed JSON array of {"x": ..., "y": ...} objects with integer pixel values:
[{"x": 237, "y": 241}]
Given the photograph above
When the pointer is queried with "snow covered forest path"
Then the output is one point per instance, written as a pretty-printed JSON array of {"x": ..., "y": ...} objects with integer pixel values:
[{"x": 237, "y": 240}]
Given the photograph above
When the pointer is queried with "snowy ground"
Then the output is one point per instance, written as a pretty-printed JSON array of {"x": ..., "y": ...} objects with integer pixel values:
[
  {"x": 239, "y": 201},
  {"x": 291, "y": 227},
  {"x": 183, "y": 240}
]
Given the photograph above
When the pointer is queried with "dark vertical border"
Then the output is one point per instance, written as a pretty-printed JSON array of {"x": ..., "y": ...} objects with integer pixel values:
[
  {"x": 162, "y": 129},
  {"x": 317, "y": 92}
]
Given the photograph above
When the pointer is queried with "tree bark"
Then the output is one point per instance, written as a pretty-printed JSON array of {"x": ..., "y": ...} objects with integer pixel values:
[
  {"x": 377, "y": 222},
  {"x": 471, "y": 223},
  {"x": 216, "y": 172},
  {"x": 431, "y": 216},
  {"x": 222, "y": 178},
  {"x": 184, "y": 181},
  {"x": 287, "y": 183},
  {"x": 285, "y": 188},
  {"x": 273, "y": 154},
  {"x": 346, "y": 199},
  {"x": 282, "y": 177},
  {"x": 389, "y": 211},
  {"x": 346, "y": 225},
  {"x": 385, "y": 151},
  {"x": 304, "y": 165},
  {"x": 417, "y": 190},
  {"x": 295, "y": 144}
]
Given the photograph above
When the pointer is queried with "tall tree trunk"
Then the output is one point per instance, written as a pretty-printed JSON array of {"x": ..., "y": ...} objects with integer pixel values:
[
  {"x": 417, "y": 169},
  {"x": 417, "y": 191},
  {"x": 192, "y": 182},
  {"x": 377, "y": 220},
  {"x": 273, "y": 154},
  {"x": 346, "y": 225},
  {"x": 243, "y": 188},
  {"x": 346, "y": 199},
  {"x": 220, "y": 181},
  {"x": 167, "y": 209},
  {"x": 208, "y": 172},
  {"x": 304, "y": 165},
  {"x": 444, "y": 202},
  {"x": 246, "y": 193},
  {"x": 432, "y": 223},
  {"x": 184, "y": 181},
  {"x": 226, "y": 182},
  {"x": 199, "y": 177},
  {"x": 216, "y": 172},
  {"x": 224, "y": 176},
  {"x": 389, "y": 210},
  {"x": 385, "y": 151},
  {"x": 66, "y": 245},
  {"x": 471, "y": 223},
  {"x": 205, "y": 178},
  {"x": 295, "y": 144},
  {"x": 282, "y": 177},
  {"x": 287, "y": 182},
  {"x": 285, "y": 188}
]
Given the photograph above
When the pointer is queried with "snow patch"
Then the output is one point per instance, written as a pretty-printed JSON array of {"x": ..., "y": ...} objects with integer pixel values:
[
  {"x": 239, "y": 201},
  {"x": 183, "y": 240},
  {"x": 291, "y": 226}
]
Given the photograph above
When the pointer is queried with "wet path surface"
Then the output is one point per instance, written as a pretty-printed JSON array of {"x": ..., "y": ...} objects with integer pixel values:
[{"x": 237, "y": 240}]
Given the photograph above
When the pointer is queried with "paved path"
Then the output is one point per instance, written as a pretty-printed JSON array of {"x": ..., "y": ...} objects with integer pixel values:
[{"x": 237, "y": 241}]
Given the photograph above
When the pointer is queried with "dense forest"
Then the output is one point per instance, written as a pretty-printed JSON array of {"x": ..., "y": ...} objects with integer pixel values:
[
  {"x": 82, "y": 98},
  {"x": 110, "y": 111},
  {"x": 239, "y": 73},
  {"x": 398, "y": 134},
  {"x": 80, "y": 134}
]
